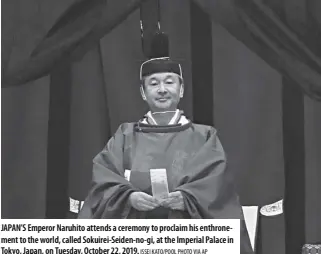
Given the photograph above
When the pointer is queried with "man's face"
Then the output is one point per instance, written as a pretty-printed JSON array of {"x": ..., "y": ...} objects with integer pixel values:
[{"x": 162, "y": 91}]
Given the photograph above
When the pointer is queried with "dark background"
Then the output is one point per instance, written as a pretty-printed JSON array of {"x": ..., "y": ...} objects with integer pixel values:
[{"x": 52, "y": 127}]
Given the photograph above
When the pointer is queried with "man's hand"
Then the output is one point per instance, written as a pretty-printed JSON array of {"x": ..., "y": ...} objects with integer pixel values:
[
  {"x": 174, "y": 201},
  {"x": 142, "y": 201}
]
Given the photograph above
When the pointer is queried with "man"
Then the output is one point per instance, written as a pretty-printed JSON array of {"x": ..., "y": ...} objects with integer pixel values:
[{"x": 199, "y": 184}]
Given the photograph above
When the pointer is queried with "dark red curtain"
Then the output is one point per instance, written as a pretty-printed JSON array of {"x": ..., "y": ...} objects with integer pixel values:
[
  {"x": 259, "y": 59},
  {"x": 248, "y": 116},
  {"x": 25, "y": 110}
]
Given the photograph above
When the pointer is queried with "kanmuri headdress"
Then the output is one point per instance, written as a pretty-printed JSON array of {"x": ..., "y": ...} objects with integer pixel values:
[{"x": 159, "y": 58}]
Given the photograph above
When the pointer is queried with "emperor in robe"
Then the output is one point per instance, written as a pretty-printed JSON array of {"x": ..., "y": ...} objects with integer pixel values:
[{"x": 198, "y": 181}]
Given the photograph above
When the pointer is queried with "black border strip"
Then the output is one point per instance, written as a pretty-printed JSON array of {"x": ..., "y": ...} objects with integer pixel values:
[
  {"x": 294, "y": 166},
  {"x": 202, "y": 66},
  {"x": 57, "y": 202}
]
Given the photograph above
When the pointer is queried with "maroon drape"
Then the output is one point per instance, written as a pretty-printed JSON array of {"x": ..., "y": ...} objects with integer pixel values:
[
  {"x": 253, "y": 22},
  {"x": 78, "y": 29},
  {"x": 284, "y": 34},
  {"x": 264, "y": 32}
]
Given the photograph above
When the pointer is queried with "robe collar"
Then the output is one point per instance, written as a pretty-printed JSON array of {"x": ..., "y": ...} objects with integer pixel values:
[{"x": 178, "y": 118}]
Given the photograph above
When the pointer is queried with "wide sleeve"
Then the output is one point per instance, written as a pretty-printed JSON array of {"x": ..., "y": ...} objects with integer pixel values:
[
  {"x": 108, "y": 196},
  {"x": 208, "y": 188}
]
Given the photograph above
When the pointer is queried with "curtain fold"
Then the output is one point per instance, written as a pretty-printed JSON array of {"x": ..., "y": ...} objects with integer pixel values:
[
  {"x": 77, "y": 30},
  {"x": 262, "y": 31}
]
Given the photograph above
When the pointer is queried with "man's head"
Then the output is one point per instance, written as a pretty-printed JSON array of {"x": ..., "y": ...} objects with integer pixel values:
[
  {"x": 162, "y": 91},
  {"x": 161, "y": 77}
]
